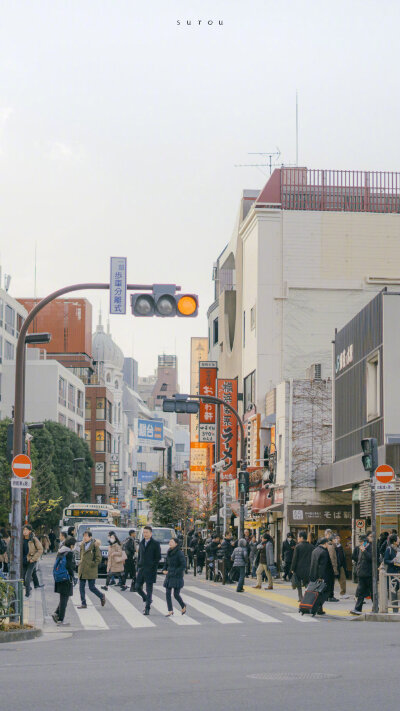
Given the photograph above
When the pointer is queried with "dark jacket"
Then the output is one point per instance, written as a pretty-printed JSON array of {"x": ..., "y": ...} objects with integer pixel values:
[
  {"x": 301, "y": 562},
  {"x": 148, "y": 559},
  {"x": 226, "y": 549},
  {"x": 240, "y": 555},
  {"x": 390, "y": 554},
  {"x": 175, "y": 564},
  {"x": 212, "y": 549},
  {"x": 364, "y": 565},
  {"x": 129, "y": 546},
  {"x": 265, "y": 555},
  {"x": 341, "y": 558},
  {"x": 66, "y": 586},
  {"x": 287, "y": 550},
  {"x": 321, "y": 565}
]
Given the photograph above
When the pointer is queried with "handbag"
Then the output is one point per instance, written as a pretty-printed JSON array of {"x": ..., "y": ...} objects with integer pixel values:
[{"x": 318, "y": 586}]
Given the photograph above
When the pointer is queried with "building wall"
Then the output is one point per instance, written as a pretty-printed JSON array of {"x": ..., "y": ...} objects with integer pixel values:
[
  {"x": 68, "y": 320},
  {"x": 11, "y": 316},
  {"x": 94, "y": 423}
]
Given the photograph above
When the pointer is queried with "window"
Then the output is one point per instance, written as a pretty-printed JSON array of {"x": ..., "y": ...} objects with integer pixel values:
[
  {"x": 62, "y": 391},
  {"x": 19, "y": 322},
  {"x": 244, "y": 328},
  {"x": 373, "y": 387},
  {"x": 253, "y": 318},
  {"x": 164, "y": 386},
  {"x": 109, "y": 411},
  {"x": 100, "y": 440},
  {"x": 8, "y": 351},
  {"x": 142, "y": 467},
  {"x": 215, "y": 331},
  {"x": 108, "y": 378},
  {"x": 71, "y": 397},
  {"x": 62, "y": 419},
  {"x": 9, "y": 319},
  {"x": 108, "y": 442},
  {"x": 88, "y": 409},
  {"x": 88, "y": 436},
  {"x": 71, "y": 425},
  {"x": 280, "y": 447},
  {"x": 179, "y": 447},
  {"x": 99, "y": 476},
  {"x": 80, "y": 399},
  {"x": 249, "y": 390},
  {"x": 116, "y": 384},
  {"x": 79, "y": 430},
  {"x": 100, "y": 408}
]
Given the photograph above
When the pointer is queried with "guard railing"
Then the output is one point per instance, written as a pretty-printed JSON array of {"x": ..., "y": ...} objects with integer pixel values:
[
  {"x": 11, "y": 601},
  {"x": 389, "y": 586}
]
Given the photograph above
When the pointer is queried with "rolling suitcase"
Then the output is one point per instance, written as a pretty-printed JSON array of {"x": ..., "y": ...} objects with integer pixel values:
[{"x": 311, "y": 601}]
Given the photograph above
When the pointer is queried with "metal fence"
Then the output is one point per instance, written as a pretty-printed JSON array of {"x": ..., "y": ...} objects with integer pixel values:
[
  {"x": 389, "y": 586},
  {"x": 11, "y": 601}
]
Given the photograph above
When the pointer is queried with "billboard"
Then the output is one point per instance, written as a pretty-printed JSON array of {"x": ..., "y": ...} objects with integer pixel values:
[
  {"x": 207, "y": 413},
  {"x": 199, "y": 461},
  {"x": 150, "y": 431},
  {"x": 227, "y": 391},
  {"x": 198, "y": 352}
]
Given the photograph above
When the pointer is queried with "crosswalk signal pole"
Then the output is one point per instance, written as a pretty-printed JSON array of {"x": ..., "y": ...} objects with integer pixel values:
[{"x": 369, "y": 447}]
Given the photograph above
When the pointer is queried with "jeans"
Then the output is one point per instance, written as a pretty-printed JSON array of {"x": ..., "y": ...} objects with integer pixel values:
[
  {"x": 263, "y": 568},
  {"x": 29, "y": 572},
  {"x": 148, "y": 596},
  {"x": 242, "y": 573},
  {"x": 92, "y": 588},
  {"x": 177, "y": 597},
  {"x": 61, "y": 607},
  {"x": 111, "y": 577}
]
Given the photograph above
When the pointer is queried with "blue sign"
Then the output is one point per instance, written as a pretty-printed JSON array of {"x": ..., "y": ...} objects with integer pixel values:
[
  {"x": 151, "y": 430},
  {"x": 146, "y": 477},
  {"x": 118, "y": 285}
]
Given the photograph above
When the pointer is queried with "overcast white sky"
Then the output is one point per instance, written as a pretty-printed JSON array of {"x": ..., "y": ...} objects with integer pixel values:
[{"x": 119, "y": 132}]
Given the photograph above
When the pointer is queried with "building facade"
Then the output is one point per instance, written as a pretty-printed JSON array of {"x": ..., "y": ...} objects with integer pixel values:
[{"x": 12, "y": 314}]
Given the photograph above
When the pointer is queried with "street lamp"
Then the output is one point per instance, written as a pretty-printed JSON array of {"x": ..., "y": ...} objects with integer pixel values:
[{"x": 161, "y": 449}]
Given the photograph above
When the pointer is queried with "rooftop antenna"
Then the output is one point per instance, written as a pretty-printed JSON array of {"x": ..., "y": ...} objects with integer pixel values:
[
  {"x": 297, "y": 128},
  {"x": 272, "y": 160}
]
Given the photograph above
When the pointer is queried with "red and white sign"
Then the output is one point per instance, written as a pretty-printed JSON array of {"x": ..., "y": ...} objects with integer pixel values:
[
  {"x": 21, "y": 466},
  {"x": 384, "y": 476},
  {"x": 228, "y": 438},
  {"x": 207, "y": 385}
]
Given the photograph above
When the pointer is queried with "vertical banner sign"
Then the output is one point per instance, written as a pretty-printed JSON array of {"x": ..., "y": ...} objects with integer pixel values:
[
  {"x": 207, "y": 415},
  {"x": 118, "y": 285},
  {"x": 227, "y": 391}
]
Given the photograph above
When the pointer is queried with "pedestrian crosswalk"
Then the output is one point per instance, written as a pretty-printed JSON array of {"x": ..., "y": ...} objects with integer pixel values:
[{"x": 204, "y": 606}]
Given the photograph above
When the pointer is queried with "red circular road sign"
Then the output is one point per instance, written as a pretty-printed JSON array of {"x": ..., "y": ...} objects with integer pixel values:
[
  {"x": 384, "y": 473},
  {"x": 21, "y": 466}
]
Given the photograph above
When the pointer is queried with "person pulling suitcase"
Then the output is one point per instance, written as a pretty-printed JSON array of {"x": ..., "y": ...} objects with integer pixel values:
[{"x": 321, "y": 575}]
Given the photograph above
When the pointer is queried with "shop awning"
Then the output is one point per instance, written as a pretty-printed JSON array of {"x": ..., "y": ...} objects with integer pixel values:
[{"x": 274, "y": 507}]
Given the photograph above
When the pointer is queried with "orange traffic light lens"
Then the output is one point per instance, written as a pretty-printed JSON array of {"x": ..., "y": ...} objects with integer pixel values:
[{"x": 187, "y": 305}]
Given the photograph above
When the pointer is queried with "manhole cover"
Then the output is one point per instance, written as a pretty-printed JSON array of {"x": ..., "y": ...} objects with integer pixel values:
[{"x": 283, "y": 676}]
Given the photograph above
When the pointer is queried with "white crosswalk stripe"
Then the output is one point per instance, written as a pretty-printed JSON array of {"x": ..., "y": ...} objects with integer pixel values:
[
  {"x": 236, "y": 605},
  {"x": 178, "y": 618},
  {"x": 131, "y": 615},
  {"x": 300, "y": 618},
  {"x": 208, "y": 610},
  {"x": 90, "y": 618}
]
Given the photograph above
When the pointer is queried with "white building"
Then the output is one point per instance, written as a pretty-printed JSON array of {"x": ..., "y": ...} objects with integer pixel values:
[
  {"x": 52, "y": 392},
  {"x": 11, "y": 316}
]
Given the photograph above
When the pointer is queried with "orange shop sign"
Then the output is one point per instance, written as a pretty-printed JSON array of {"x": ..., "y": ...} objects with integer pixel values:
[{"x": 227, "y": 391}]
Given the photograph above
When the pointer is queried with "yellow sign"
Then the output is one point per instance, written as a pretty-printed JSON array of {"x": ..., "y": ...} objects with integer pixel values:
[
  {"x": 252, "y": 524},
  {"x": 198, "y": 352}
]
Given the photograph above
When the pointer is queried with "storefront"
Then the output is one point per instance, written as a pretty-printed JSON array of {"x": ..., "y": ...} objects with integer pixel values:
[{"x": 315, "y": 519}]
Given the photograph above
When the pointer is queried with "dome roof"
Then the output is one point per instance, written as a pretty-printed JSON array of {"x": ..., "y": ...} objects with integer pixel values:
[{"x": 105, "y": 350}]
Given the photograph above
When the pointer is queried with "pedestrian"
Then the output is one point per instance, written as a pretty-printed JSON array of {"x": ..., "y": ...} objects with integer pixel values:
[
  {"x": 212, "y": 550},
  {"x": 63, "y": 573},
  {"x": 321, "y": 569},
  {"x": 200, "y": 554},
  {"x": 149, "y": 557},
  {"x": 129, "y": 546},
  {"x": 239, "y": 559},
  {"x": 332, "y": 554},
  {"x": 45, "y": 541},
  {"x": 301, "y": 563},
  {"x": 174, "y": 568},
  {"x": 88, "y": 569},
  {"x": 264, "y": 561},
  {"x": 189, "y": 547},
  {"x": 5, "y": 540},
  {"x": 63, "y": 538},
  {"x": 32, "y": 551},
  {"x": 52, "y": 539},
  {"x": 247, "y": 538},
  {"x": 287, "y": 555},
  {"x": 71, "y": 531},
  {"x": 225, "y": 553},
  {"x": 342, "y": 569},
  {"x": 364, "y": 573},
  {"x": 115, "y": 561},
  {"x": 392, "y": 562},
  {"x": 252, "y": 555}
]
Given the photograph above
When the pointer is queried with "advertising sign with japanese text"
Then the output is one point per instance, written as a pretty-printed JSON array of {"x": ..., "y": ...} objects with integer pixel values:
[
  {"x": 118, "y": 285},
  {"x": 150, "y": 430},
  {"x": 207, "y": 412},
  {"x": 319, "y": 514},
  {"x": 198, "y": 352},
  {"x": 199, "y": 461},
  {"x": 227, "y": 391}
]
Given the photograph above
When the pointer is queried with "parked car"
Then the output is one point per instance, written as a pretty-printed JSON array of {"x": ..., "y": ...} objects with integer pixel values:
[{"x": 163, "y": 536}]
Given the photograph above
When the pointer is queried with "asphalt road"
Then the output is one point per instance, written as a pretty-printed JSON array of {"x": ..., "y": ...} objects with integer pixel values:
[{"x": 222, "y": 658}]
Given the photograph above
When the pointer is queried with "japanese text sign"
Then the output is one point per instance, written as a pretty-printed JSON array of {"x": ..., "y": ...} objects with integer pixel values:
[
  {"x": 118, "y": 285},
  {"x": 207, "y": 415},
  {"x": 320, "y": 515},
  {"x": 227, "y": 391},
  {"x": 151, "y": 430}
]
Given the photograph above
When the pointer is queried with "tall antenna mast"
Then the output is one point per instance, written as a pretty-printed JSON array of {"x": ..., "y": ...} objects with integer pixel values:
[{"x": 297, "y": 129}]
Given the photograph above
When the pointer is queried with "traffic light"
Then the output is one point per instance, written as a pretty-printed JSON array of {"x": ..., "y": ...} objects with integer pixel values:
[
  {"x": 10, "y": 441},
  {"x": 180, "y": 406},
  {"x": 244, "y": 481},
  {"x": 369, "y": 446},
  {"x": 165, "y": 303}
]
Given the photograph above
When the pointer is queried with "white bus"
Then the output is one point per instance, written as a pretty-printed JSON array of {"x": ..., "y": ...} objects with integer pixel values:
[{"x": 90, "y": 513}]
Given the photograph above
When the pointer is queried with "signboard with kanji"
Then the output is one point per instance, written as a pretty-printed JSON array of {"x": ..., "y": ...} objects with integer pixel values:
[
  {"x": 319, "y": 515},
  {"x": 384, "y": 476},
  {"x": 198, "y": 352},
  {"x": 199, "y": 461},
  {"x": 150, "y": 430},
  {"x": 207, "y": 414},
  {"x": 118, "y": 285},
  {"x": 227, "y": 391},
  {"x": 21, "y": 466}
]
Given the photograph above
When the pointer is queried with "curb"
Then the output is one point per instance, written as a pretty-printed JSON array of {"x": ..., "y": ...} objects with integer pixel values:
[
  {"x": 378, "y": 617},
  {"x": 19, "y": 635}
]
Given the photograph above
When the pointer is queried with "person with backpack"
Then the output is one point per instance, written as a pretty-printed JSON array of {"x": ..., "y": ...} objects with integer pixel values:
[
  {"x": 115, "y": 562},
  {"x": 88, "y": 569},
  {"x": 32, "y": 551},
  {"x": 63, "y": 574},
  {"x": 239, "y": 559}
]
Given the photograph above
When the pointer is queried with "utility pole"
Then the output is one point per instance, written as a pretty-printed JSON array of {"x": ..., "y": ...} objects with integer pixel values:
[{"x": 369, "y": 447}]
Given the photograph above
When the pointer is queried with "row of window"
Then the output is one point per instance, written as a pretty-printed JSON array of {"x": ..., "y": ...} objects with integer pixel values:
[
  {"x": 71, "y": 424},
  {"x": 75, "y": 397},
  {"x": 9, "y": 350},
  {"x": 215, "y": 328},
  {"x": 102, "y": 440},
  {"x": 10, "y": 319},
  {"x": 103, "y": 409}
]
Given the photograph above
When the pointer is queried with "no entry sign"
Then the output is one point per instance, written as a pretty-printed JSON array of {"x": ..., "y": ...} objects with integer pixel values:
[
  {"x": 21, "y": 466},
  {"x": 384, "y": 476}
]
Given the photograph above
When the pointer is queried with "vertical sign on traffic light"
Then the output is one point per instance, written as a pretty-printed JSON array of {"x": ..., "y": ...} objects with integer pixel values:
[
  {"x": 118, "y": 285},
  {"x": 227, "y": 391},
  {"x": 207, "y": 412}
]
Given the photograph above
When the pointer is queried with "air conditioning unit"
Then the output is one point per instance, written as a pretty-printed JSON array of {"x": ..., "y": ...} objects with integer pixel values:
[{"x": 314, "y": 372}]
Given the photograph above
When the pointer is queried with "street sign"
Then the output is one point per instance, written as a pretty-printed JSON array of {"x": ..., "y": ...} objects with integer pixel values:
[
  {"x": 360, "y": 525},
  {"x": 114, "y": 458},
  {"x": 21, "y": 483},
  {"x": 21, "y": 466},
  {"x": 384, "y": 475},
  {"x": 118, "y": 285}
]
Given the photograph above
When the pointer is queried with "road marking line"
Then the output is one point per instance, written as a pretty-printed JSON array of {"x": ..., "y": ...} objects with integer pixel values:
[
  {"x": 208, "y": 610},
  {"x": 90, "y": 618},
  {"x": 300, "y": 618},
  {"x": 244, "y": 609},
  {"x": 131, "y": 615},
  {"x": 178, "y": 618}
]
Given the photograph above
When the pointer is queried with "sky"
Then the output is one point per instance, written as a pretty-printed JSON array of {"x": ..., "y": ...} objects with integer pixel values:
[{"x": 120, "y": 130}]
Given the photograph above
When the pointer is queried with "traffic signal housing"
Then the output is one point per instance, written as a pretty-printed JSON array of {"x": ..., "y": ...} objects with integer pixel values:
[
  {"x": 164, "y": 302},
  {"x": 244, "y": 482},
  {"x": 369, "y": 446},
  {"x": 188, "y": 407}
]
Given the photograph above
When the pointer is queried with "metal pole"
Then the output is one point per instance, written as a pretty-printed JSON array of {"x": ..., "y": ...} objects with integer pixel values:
[
  {"x": 218, "y": 473},
  {"x": 15, "y": 547},
  {"x": 375, "y": 603}
]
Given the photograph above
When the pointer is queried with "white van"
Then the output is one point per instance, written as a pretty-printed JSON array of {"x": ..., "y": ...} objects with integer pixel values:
[{"x": 163, "y": 536}]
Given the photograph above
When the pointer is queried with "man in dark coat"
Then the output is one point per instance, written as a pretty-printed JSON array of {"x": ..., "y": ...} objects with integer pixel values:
[
  {"x": 65, "y": 588},
  {"x": 287, "y": 555},
  {"x": 364, "y": 574},
  {"x": 321, "y": 569},
  {"x": 149, "y": 556},
  {"x": 225, "y": 552},
  {"x": 129, "y": 547},
  {"x": 301, "y": 563}
]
